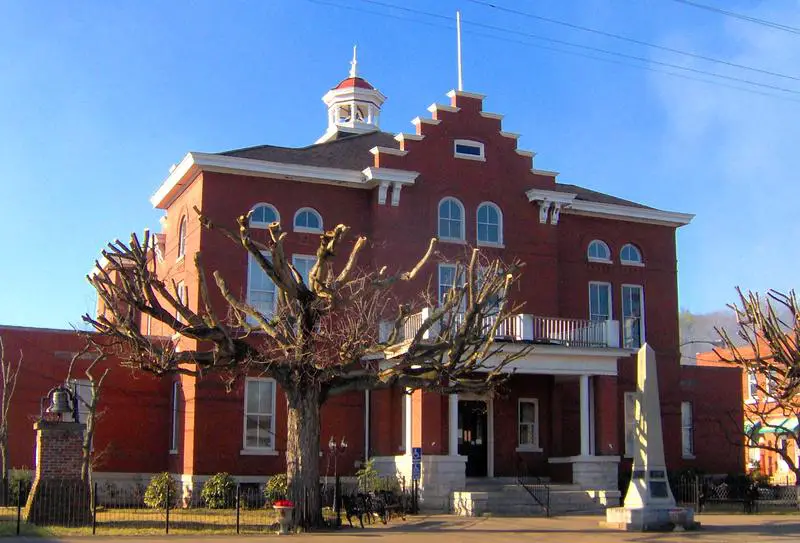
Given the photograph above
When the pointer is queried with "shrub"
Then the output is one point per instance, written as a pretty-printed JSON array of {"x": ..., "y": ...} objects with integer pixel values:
[
  {"x": 156, "y": 494},
  {"x": 219, "y": 491},
  {"x": 368, "y": 477},
  {"x": 13, "y": 486},
  {"x": 277, "y": 488}
]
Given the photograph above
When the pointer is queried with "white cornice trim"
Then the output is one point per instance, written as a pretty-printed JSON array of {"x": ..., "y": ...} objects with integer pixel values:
[
  {"x": 628, "y": 213},
  {"x": 416, "y": 121},
  {"x": 173, "y": 179},
  {"x": 512, "y": 135},
  {"x": 393, "y": 175},
  {"x": 529, "y": 154},
  {"x": 465, "y": 94},
  {"x": 410, "y": 137},
  {"x": 544, "y": 172},
  {"x": 442, "y": 107},
  {"x": 387, "y": 151},
  {"x": 497, "y": 116},
  {"x": 538, "y": 195}
]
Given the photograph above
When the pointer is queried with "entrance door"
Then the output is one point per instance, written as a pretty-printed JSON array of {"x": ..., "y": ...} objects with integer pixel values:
[{"x": 472, "y": 436}]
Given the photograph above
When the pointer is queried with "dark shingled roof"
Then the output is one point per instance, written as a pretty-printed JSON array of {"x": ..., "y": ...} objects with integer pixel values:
[
  {"x": 351, "y": 151},
  {"x": 348, "y": 151}
]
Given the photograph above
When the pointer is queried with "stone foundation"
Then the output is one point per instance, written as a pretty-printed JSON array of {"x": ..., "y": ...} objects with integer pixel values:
[
  {"x": 592, "y": 472},
  {"x": 647, "y": 519},
  {"x": 440, "y": 477}
]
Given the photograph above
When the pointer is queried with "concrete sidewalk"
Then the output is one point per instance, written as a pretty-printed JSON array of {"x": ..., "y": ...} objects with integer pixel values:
[{"x": 450, "y": 529}]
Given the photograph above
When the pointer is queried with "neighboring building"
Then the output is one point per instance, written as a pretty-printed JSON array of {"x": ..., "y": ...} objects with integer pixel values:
[
  {"x": 600, "y": 280},
  {"x": 764, "y": 422}
]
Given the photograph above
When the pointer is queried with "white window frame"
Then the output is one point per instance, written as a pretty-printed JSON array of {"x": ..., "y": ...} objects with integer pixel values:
[
  {"x": 252, "y": 264},
  {"x": 296, "y": 258},
  {"x": 629, "y": 413},
  {"x": 641, "y": 316},
  {"x": 481, "y": 157},
  {"x": 752, "y": 386},
  {"x": 462, "y": 234},
  {"x": 628, "y": 262},
  {"x": 456, "y": 278},
  {"x": 610, "y": 307},
  {"x": 269, "y": 451},
  {"x": 262, "y": 224},
  {"x": 180, "y": 294},
  {"x": 306, "y": 229},
  {"x": 769, "y": 384},
  {"x": 687, "y": 429},
  {"x": 79, "y": 387},
  {"x": 534, "y": 426},
  {"x": 595, "y": 258},
  {"x": 487, "y": 243},
  {"x": 182, "y": 227},
  {"x": 173, "y": 437}
]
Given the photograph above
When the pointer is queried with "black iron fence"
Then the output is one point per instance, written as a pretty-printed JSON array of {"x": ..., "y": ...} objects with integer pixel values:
[
  {"x": 128, "y": 507},
  {"x": 733, "y": 493}
]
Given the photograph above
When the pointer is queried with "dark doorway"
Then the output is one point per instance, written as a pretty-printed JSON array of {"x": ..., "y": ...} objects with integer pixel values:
[{"x": 472, "y": 436}]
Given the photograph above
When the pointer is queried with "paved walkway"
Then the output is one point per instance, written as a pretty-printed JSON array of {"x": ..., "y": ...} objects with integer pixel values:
[{"x": 449, "y": 529}]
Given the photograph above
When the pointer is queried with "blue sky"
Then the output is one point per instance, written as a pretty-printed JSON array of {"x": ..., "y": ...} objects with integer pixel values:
[{"x": 98, "y": 99}]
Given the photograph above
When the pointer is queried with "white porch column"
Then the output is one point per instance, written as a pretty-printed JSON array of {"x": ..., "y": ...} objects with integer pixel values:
[
  {"x": 452, "y": 445},
  {"x": 586, "y": 442},
  {"x": 407, "y": 430}
]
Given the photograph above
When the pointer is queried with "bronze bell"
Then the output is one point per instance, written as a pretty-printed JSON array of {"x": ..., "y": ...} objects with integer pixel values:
[{"x": 59, "y": 402}]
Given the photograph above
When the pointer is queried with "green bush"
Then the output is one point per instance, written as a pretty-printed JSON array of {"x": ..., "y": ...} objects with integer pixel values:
[
  {"x": 219, "y": 491},
  {"x": 13, "y": 486},
  {"x": 155, "y": 496},
  {"x": 368, "y": 477},
  {"x": 277, "y": 488}
]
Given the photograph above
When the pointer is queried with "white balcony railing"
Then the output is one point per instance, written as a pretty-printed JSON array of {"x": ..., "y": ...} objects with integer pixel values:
[{"x": 535, "y": 329}]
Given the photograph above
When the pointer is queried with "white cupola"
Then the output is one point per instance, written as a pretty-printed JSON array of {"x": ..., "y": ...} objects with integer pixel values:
[{"x": 354, "y": 106}]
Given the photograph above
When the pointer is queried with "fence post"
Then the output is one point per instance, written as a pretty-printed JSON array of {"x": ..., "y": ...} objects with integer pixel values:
[
  {"x": 337, "y": 500},
  {"x": 167, "y": 508},
  {"x": 19, "y": 504},
  {"x": 238, "y": 504},
  {"x": 94, "y": 509}
]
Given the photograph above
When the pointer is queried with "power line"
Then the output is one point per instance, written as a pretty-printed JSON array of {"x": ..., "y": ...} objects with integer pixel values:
[
  {"x": 566, "y": 43},
  {"x": 632, "y": 40},
  {"x": 740, "y": 16}
]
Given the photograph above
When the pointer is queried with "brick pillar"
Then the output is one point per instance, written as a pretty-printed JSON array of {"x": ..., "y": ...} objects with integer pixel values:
[
  {"x": 606, "y": 416},
  {"x": 58, "y": 495}
]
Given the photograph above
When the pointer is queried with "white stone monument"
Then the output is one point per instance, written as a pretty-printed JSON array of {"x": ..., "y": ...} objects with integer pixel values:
[{"x": 649, "y": 503}]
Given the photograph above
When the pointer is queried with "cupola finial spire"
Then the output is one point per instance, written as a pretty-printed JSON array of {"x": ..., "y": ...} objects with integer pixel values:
[{"x": 353, "y": 64}]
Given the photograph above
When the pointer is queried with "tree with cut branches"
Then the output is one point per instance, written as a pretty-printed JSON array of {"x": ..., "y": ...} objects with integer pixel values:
[
  {"x": 8, "y": 382},
  {"x": 766, "y": 347},
  {"x": 323, "y": 338}
]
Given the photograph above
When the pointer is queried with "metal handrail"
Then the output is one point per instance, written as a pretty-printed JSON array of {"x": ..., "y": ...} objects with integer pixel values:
[{"x": 531, "y": 484}]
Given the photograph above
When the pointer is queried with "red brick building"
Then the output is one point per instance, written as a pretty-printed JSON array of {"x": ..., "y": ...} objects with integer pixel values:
[{"x": 600, "y": 280}]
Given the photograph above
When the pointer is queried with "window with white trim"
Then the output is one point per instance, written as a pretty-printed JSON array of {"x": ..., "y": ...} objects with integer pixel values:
[
  {"x": 468, "y": 149},
  {"x": 82, "y": 389},
  {"x": 752, "y": 386},
  {"x": 598, "y": 251},
  {"x": 260, "y": 288},
  {"x": 181, "y": 296},
  {"x": 490, "y": 224},
  {"x": 308, "y": 220},
  {"x": 448, "y": 280},
  {"x": 182, "y": 238},
  {"x": 528, "y": 424},
  {"x": 173, "y": 437},
  {"x": 630, "y": 424},
  {"x": 259, "y": 414},
  {"x": 303, "y": 265},
  {"x": 632, "y": 316},
  {"x": 630, "y": 255},
  {"x": 451, "y": 219},
  {"x": 687, "y": 430},
  {"x": 599, "y": 301},
  {"x": 262, "y": 215}
]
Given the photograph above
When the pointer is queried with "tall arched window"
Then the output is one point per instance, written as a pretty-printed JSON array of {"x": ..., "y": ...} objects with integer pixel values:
[
  {"x": 598, "y": 251},
  {"x": 307, "y": 220},
  {"x": 263, "y": 215},
  {"x": 451, "y": 219},
  {"x": 490, "y": 224},
  {"x": 631, "y": 255},
  {"x": 182, "y": 238}
]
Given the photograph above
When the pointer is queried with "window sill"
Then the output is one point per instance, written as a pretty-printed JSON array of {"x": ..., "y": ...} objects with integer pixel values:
[
  {"x": 491, "y": 244},
  {"x": 529, "y": 448},
  {"x": 453, "y": 240},
  {"x": 688, "y": 457},
  {"x": 476, "y": 158},
  {"x": 600, "y": 260},
  {"x": 258, "y": 452},
  {"x": 303, "y": 230},
  {"x": 633, "y": 264},
  {"x": 173, "y": 451}
]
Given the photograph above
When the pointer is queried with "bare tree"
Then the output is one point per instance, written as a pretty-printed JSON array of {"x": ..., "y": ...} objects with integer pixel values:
[
  {"x": 324, "y": 337},
  {"x": 8, "y": 382},
  {"x": 89, "y": 404},
  {"x": 767, "y": 348}
]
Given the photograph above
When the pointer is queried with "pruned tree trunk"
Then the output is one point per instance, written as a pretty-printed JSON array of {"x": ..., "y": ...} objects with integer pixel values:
[{"x": 302, "y": 452}]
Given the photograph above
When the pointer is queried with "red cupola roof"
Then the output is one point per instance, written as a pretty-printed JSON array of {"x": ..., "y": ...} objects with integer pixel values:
[{"x": 351, "y": 82}]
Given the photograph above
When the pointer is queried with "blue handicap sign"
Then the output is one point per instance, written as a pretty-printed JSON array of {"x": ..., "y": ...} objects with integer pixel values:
[
  {"x": 416, "y": 454},
  {"x": 416, "y": 472}
]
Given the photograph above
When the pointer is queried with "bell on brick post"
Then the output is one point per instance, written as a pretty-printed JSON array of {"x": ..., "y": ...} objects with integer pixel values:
[{"x": 60, "y": 401}]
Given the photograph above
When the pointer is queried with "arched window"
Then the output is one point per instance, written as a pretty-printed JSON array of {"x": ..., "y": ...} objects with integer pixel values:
[
  {"x": 262, "y": 215},
  {"x": 598, "y": 251},
  {"x": 182, "y": 238},
  {"x": 307, "y": 220},
  {"x": 630, "y": 254},
  {"x": 451, "y": 219},
  {"x": 490, "y": 224}
]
